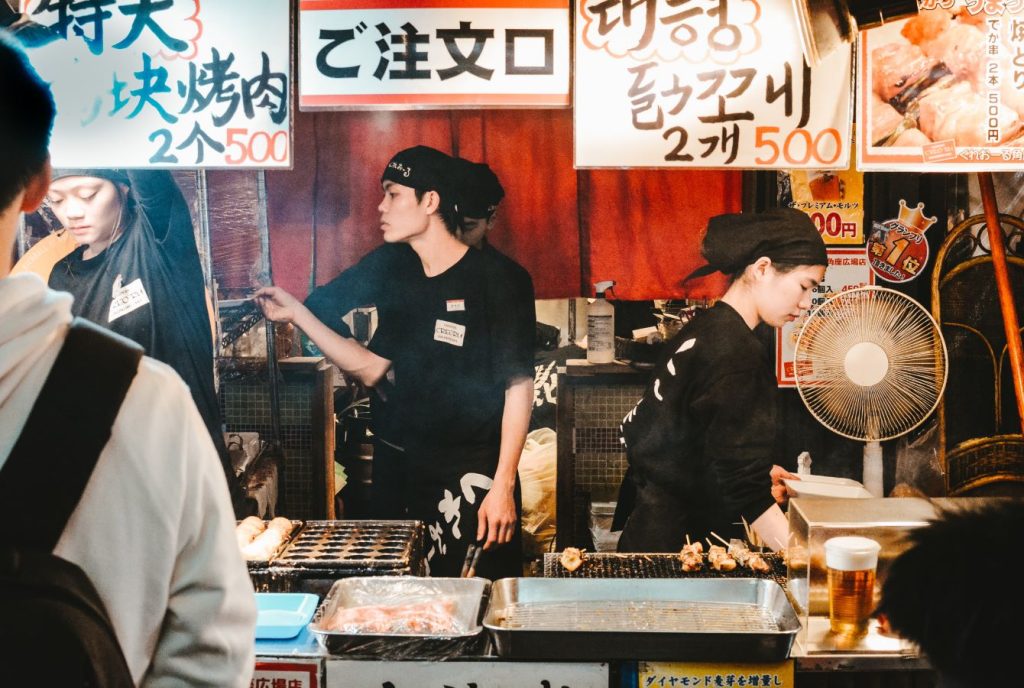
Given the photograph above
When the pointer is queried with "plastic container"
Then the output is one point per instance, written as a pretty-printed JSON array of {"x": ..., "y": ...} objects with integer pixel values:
[
  {"x": 281, "y": 615},
  {"x": 601, "y": 326}
]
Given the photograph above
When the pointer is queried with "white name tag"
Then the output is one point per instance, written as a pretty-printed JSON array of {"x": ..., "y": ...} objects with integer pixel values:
[
  {"x": 449, "y": 332},
  {"x": 127, "y": 299},
  {"x": 456, "y": 305}
]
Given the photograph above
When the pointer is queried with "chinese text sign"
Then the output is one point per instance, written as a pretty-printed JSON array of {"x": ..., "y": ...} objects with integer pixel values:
[{"x": 167, "y": 83}]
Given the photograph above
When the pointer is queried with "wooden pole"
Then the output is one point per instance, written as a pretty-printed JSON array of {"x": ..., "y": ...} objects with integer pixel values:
[{"x": 1006, "y": 302}]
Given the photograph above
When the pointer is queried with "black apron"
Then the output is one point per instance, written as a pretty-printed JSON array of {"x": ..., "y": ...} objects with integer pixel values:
[{"x": 446, "y": 489}]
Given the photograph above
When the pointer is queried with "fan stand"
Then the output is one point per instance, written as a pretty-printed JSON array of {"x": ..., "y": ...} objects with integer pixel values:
[{"x": 866, "y": 364}]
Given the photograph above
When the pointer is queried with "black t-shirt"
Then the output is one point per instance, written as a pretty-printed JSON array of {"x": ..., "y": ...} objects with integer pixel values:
[
  {"x": 148, "y": 286},
  {"x": 701, "y": 441},
  {"x": 455, "y": 339}
]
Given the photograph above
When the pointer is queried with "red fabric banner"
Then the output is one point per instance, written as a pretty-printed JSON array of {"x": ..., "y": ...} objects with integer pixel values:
[{"x": 566, "y": 227}]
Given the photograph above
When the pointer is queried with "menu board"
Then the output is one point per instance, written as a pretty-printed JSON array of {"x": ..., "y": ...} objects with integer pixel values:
[
  {"x": 705, "y": 83},
  {"x": 433, "y": 53},
  {"x": 943, "y": 91},
  {"x": 176, "y": 83}
]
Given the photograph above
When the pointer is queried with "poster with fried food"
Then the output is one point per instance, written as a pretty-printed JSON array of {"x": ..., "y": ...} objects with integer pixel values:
[{"x": 943, "y": 91}]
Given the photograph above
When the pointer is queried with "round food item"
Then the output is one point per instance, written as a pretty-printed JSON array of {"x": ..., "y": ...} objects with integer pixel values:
[
  {"x": 571, "y": 559},
  {"x": 247, "y": 530}
]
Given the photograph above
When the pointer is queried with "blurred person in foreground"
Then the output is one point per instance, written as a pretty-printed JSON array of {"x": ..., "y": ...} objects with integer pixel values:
[
  {"x": 956, "y": 595},
  {"x": 153, "y": 530}
]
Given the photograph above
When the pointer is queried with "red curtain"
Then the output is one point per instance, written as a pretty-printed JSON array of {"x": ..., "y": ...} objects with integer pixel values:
[{"x": 568, "y": 228}]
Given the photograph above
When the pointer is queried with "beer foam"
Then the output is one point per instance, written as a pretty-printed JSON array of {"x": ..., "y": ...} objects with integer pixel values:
[{"x": 851, "y": 553}]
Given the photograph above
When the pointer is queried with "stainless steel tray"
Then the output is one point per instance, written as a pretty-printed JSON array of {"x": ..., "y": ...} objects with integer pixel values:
[
  {"x": 467, "y": 593},
  {"x": 738, "y": 619}
]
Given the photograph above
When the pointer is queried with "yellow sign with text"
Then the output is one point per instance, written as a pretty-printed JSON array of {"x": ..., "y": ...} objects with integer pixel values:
[
  {"x": 703, "y": 675},
  {"x": 834, "y": 200}
]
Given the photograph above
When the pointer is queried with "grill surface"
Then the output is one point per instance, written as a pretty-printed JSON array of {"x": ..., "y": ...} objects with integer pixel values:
[
  {"x": 628, "y": 616},
  {"x": 364, "y": 545},
  {"x": 653, "y": 565}
]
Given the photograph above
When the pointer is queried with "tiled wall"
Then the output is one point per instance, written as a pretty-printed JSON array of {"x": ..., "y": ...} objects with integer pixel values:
[
  {"x": 600, "y": 459},
  {"x": 246, "y": 407}
]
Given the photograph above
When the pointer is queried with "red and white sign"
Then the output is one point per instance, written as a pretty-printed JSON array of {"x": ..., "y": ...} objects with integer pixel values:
[
  {"x": 847, "y": 269},
  {"x": 943, "y": 91},
  {"x": 705, "y": 83},
  {"x": 897, "y": 249},
  {"x": 286, "y": 674},
  {"x": 360, "y": 54}
]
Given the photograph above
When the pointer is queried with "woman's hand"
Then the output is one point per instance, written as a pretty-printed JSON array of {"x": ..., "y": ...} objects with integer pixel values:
[
  {"x": 496, "y": 518},
  {"x": 779, "y": 491},
  {"x": 277, "y": 304}
]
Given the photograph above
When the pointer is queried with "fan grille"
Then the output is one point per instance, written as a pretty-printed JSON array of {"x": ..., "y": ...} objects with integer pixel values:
[{"x": 911, "y": 386}]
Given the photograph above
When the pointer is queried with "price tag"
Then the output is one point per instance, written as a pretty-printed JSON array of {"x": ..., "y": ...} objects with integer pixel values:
[
  {"x": 691, "y": 674},
  {"x": 363, "y": 674}
]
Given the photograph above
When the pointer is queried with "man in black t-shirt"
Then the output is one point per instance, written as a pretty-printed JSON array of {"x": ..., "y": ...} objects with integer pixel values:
[{"x": 451, "y": 323}]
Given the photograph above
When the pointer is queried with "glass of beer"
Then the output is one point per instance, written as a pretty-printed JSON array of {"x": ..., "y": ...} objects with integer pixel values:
[{"x": 851, "y": 563}]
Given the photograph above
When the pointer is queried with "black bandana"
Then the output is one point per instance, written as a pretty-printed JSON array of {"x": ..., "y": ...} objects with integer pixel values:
[
  {"x": 116, "y": 176},
  {"x": 734, "y": 241},
  {"x": 422, "y": 168}
]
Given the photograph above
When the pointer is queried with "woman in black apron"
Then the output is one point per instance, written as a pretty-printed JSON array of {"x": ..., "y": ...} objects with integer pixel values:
[{"x": 701, "y": 442}]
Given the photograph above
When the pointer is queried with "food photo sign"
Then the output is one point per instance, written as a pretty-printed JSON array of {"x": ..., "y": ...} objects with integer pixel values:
[
  {"x": 705, "y": 83},
  {"x": 943, "y": 91},
  {"x": 175, "y": 83}
]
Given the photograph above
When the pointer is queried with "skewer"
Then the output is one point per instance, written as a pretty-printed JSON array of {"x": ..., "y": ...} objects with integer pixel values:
[
  {"x": 687, "y": 539},
  {"x": 719, "y": 538}
]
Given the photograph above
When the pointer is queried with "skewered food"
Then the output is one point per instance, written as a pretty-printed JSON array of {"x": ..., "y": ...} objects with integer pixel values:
[
  {"x": 933, "y": 75},
  {"x": 739, "y": 551},
  {"x": 432, "y": 617},
  {"x": 269, "y": 541},
  {"x": 692, "y": 556},
  {"x": 571, "y": 559},
  {"x": 720, "y": 559}
]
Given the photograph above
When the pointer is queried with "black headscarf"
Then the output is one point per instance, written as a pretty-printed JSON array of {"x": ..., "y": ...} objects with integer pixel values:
[{"x": 734, "y": 241}]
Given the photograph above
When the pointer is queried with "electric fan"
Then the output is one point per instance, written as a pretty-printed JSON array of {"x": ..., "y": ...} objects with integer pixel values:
[{"x": 870, "y": 364}]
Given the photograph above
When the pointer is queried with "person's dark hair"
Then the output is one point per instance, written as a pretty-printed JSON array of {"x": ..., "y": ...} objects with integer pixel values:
[
  {"x": 446, "y": 210},
  {"x": 26, "y": 116},
  {"x": 957, "y": 595}
]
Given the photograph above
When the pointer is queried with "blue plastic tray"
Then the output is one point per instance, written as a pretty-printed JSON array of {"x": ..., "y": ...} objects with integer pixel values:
[{"x": 283, "y": 614}]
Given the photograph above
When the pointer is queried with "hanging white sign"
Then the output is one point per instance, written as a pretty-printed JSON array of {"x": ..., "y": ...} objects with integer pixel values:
[
  {"x": 705, "y": 83},
  {"x": 174, "y": 83},
  {"x": 433, "y": 53}
]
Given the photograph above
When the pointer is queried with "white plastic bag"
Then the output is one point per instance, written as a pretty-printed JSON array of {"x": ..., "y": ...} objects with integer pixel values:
[{"x": 538, "y": 467}]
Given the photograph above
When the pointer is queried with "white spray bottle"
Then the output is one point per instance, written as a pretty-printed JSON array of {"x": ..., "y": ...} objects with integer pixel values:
[{"x": 601, "y": 326}]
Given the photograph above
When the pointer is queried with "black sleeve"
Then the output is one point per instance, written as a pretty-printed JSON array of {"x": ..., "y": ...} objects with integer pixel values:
[
  {"x": 360, "y": 285},
  {"x": 160, "y": 201},
  {"x": 737, "y": 411},
  {"x": 513, "y": 325}
]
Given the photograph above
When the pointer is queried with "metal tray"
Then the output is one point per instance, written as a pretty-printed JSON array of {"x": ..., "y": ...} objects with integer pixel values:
[
  {"x": 738, "y": 619},
  {"x": 391, "y": 590},
  {"x": 354, "y": 544}
]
